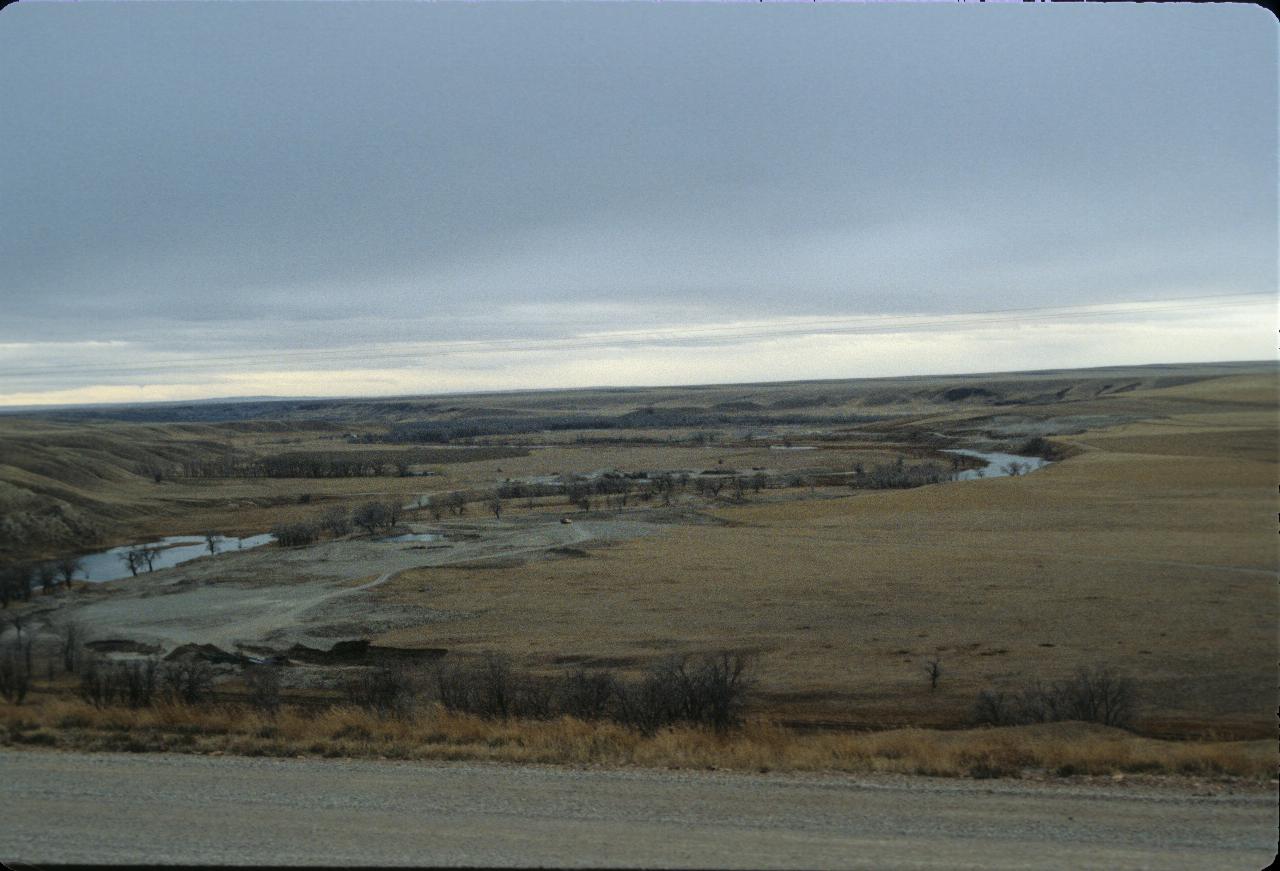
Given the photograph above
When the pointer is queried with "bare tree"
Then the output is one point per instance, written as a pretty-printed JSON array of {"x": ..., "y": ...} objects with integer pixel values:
[
  {"x": 133, "y": 559},
  {"x": 494, "y": 503},
  {"x": 211, "y": 542},
  {"x": 68, "y": 566},
  {"x": 371, "y": 517},
  {"x": 337, "y": 520},
  {"x": 47, "y": 574},
  {"x": 142, "y": 555},
  {"x": 934, "y": 669},
  {"x": 457, "y": 502},
  {"x": 189, "y": 682},
  {"x": 394, "y": 511},
  {"x": 70, "y": 641}
]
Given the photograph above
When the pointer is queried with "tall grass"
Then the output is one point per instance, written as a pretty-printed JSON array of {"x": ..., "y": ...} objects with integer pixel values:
[{"x": 437, "y": 734}]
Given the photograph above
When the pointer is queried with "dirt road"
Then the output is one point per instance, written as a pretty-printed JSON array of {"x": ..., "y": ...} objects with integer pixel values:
[{"x": 62, "y": 807}]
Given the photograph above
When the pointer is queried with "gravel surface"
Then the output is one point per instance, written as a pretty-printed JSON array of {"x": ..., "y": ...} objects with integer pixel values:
[
  {"x": 313, "y": 595},
  {"x": 119, "y": 808}
]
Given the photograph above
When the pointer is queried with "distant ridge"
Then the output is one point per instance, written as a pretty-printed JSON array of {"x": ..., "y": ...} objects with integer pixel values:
[{"x": 341, "y": 409}]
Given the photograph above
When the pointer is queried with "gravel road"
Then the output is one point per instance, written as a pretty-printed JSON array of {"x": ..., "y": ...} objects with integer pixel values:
[{"x": 119, "y": 808}]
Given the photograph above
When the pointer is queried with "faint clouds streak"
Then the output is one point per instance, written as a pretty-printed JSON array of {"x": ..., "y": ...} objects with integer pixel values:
[{"x": 1185, "y": 329}]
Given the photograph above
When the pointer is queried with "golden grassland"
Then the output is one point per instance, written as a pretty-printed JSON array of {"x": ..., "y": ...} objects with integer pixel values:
[
  {"x": 1153, "y": 550},
  {"x": 1060, "y": 749}
]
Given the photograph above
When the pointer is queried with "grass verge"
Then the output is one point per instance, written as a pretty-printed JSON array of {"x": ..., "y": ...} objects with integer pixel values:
[{"x": 1060, "y": 749}]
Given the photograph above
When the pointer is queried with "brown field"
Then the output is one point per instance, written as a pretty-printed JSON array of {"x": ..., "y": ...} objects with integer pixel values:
[{"x": 1151, "y": 548}]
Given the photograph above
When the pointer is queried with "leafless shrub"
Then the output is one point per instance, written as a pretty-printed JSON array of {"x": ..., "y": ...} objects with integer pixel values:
[
  {"x": 97, "y": 683},
  {"x": 934, "y": 669},
  {"x": 587, "y": 695},
  {"x": 68, "y": 568},
  {"x": 384, "y": 690},
  {"x": 15, "y": 583},
  {"x": 138, "y": 681},
  {"x": 295, "y": 534},
  {"x": 457, "y": 502},
  {"x": 263, "y": 684},
  {"x": 711, "y": 691},
  {"x": 1098, "y": 695},
  {"x": 337, "y": 521},
  {"x": 1095, "y": 695},
  {"x": 373, "y": 517},
  {"x": 898, "y": 475},
  {"x": 15, "y": 670},
  {"x": 133, "y": 682},
  {"x": 495, "y": 686},
  {"x": 188, "y": 682},
  {"x": 993, "y": 708},
  {"x": 490, "y": 688},
  {"x": 71, "y": 638},
  {"x": 47, "y": 574}
]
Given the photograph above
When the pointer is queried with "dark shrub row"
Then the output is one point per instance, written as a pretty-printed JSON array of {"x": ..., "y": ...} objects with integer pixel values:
[
  {"x": 138, "y": 683},
  {"x": 709, "y": 691},
  {"x": 1094, "y": 695}
]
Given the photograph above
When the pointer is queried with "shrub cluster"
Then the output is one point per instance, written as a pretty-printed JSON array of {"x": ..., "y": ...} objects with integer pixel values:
[
  {"x": 1094, "y": 695},
  {"x": 898, "y": 476},
  {"x": 296, "y": 534},
  {"x": 385, "y": 690},
  {"x": 375, "y": 516},
  {"x": 138, "y": 683},
  {"x": 709, "y": 691},
  {"x": 15, "y": 669}
]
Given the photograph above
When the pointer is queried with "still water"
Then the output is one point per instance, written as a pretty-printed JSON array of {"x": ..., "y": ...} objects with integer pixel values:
[{"x": 109, "y": 565}]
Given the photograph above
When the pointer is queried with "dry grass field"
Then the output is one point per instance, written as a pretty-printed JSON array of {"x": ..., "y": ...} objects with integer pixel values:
[
  {"x": 1152, "y": 550},
  {"x": 1044, "y": 750},
  {"x": 1149, "y": 546}
]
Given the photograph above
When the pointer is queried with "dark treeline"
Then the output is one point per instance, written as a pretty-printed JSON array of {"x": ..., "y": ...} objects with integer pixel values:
[
  {"x": 334, "y": 464},
  {"x": 443, "y": 432},
  {"x": 898, "y": 476}
]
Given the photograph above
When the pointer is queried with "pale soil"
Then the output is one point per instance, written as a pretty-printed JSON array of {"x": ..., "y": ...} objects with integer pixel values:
[{"x": 278, "y": 597}]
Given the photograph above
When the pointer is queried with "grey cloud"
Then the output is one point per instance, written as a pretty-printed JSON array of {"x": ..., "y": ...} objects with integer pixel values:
[{"x": 227, "y": 175}]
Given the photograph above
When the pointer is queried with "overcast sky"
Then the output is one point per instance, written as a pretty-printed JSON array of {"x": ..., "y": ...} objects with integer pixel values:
[{"x": 213, "y": 199}]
